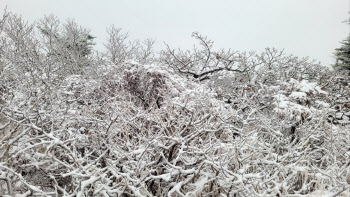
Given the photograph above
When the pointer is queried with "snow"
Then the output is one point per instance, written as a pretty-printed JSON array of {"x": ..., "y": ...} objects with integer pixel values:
[
  {"x": 147, "y": 129},
  {"x": 322, "y": 193},
  {"x": 200, "y": 183},
  {"x": 304, "y": 86},
  {"x": 307, "y": 87},
  {"x": 298, "y": 95},
  {"x": 27, "y": 194},
  {"x": 138, "y": 151},
  {"x": 86, "y": 183},
  {"x": 322, "y": 104},
  {"x": 339, "y": 115},
  {"x": 165, "y": 177}
]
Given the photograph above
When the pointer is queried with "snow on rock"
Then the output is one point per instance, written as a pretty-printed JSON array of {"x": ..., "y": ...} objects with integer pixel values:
[{"x": 339, "y": 115}]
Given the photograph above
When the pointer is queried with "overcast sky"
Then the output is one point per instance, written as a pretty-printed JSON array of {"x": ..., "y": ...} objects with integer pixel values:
[{"x": 302, "y": 27}]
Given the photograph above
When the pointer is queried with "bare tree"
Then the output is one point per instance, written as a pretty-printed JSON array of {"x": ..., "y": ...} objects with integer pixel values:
[
  {"x": 203, "y": 62},
  {"x": 151, "y": 130},
  {"x": 120, "y": 49}
]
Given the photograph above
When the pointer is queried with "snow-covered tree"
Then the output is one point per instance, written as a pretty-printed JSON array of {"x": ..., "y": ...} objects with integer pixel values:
[
  {"x": 120, "y": 49},
  {"x": 343, "y": 54},
  {"x": 69, "y": 45},
  {"x": 197, "y": 123}
]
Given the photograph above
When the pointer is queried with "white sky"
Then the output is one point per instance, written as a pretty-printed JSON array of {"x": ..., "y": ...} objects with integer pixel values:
[{"x": 311, "y": 28}]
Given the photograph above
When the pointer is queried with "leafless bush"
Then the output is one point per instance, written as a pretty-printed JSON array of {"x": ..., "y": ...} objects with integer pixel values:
[
  {"x": 140, "y": 129},
  {"x": 147, "y": 87},
  {"x": 120, "y": 49},
  {"x": 201, "y": 63}
]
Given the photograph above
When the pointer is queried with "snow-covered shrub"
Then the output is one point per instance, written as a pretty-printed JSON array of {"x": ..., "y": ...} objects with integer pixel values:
[
  {"x": 134, "y": 129},
  {"x": 145, "y": 85},
  {"x": 295, "y": 100}
]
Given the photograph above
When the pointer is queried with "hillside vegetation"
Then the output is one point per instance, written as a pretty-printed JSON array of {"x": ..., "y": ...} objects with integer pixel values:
[{"x": 129, "y": 121}]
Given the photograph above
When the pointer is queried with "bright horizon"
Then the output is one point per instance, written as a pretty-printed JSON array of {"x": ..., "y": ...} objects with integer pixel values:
[{"x": 311, "y": 28}]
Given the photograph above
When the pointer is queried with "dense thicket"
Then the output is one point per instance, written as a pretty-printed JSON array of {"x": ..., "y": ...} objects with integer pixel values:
[{"x": 128, "y": 121}]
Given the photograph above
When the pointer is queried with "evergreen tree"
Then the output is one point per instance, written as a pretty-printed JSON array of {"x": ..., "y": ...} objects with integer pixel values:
[{"x": 343, "y": 54}]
